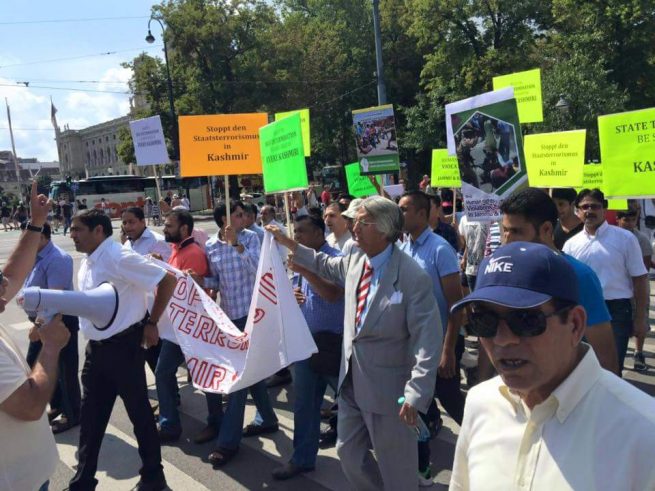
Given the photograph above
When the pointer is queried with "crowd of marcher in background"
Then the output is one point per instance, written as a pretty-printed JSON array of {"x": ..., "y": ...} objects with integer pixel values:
[{"x": 393, "y": 291}]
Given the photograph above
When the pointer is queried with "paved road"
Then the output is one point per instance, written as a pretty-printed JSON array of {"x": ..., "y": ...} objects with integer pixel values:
[{"x": 185, "y": 462}]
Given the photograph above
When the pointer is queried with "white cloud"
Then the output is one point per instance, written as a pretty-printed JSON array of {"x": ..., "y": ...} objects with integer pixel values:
[{"x": 30, "y": 109}]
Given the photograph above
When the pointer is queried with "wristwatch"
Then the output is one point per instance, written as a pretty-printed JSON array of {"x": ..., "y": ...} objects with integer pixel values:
[
  {"x": 236, "y": 244},
  {"x": 33, "y": 228}
]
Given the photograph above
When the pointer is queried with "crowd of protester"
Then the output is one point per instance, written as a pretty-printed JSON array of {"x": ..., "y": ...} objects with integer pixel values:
[{"x": 392, "y": 292}]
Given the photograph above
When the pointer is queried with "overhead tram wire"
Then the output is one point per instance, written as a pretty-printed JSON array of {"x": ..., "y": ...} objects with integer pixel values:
[
  {"x": 70, "y": 89},
  {"x": 61, "y": 21},
  {"x": 54, "y": 60}
]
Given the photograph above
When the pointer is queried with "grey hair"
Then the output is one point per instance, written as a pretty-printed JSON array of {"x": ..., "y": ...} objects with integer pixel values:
[{"x": 387, "y": 216}]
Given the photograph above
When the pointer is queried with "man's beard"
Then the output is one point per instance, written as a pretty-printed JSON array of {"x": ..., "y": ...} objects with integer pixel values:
[{"x": 175, "y": 239}]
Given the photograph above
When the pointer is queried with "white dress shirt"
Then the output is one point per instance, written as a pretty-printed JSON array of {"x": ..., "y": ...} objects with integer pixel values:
[
  {"x": 339, "y": 243},
  {"x": 132, "y": 275},
  {"x": 150, "y": 242},
  {"x": 613, "y": 254},
  {"x": 595, "y": 432}
]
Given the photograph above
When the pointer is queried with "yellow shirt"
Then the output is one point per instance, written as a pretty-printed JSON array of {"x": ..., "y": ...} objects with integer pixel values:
[{"x": 594, "y": 432}]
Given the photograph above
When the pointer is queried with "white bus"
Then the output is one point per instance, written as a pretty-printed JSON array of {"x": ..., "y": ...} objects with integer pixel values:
[{"x": 121, "y": 192}]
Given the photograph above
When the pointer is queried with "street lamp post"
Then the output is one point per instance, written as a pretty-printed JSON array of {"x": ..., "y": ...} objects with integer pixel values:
[
  {"x": 151, "y": 39},
  {"x": 382, "y": 91}
]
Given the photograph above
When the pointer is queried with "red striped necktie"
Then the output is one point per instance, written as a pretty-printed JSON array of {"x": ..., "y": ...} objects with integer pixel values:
[{"x": 362, "y": 291}]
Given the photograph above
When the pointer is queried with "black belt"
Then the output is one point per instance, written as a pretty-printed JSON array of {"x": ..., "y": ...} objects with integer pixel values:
[{"x": 124, "y": 333}]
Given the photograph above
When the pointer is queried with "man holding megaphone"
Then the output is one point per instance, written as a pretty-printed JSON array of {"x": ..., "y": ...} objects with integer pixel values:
[{"x": 114, "y": 364}]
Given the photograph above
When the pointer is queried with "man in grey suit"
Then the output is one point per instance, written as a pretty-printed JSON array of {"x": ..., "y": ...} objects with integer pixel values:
[{"x": 391, "y": 347}]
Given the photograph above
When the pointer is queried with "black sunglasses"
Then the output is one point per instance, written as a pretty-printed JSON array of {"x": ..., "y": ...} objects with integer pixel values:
[{"x": 523, "y": 323}]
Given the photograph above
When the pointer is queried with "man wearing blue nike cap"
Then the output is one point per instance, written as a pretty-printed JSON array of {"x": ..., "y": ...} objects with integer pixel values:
[{"x": 553, "y": 417}]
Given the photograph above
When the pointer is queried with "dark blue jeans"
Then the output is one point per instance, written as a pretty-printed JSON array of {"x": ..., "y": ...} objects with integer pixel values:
[
  {"x": 170, "y": 358},
  {"x": 230, "y": 424},
  {"x": 309, "y": 390},
  {"x": 622, "y": 325}
]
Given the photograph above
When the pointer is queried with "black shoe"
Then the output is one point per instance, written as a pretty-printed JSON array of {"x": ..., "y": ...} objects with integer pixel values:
[
  {"x": 63, "y": 424},
  {"x": 208, "y": 434},
  {"x": 327, "y": 438},
  {"x": 289, "y": 470},
  {"x": 54, "y": 414},
  {"x": 167, "y": 435},
  {"x": 278, "y": 379},
  {"x": 158, "y": 485},
  {"x": 254, "y": 430}
]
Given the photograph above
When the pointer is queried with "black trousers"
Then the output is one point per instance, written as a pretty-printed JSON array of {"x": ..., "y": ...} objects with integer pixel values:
[
  {"x": 152, "y": 355},
  {"x": 66, "y": 397},
  {"x": 448, "y": 390},
  {"x": 115, "y": 367}
]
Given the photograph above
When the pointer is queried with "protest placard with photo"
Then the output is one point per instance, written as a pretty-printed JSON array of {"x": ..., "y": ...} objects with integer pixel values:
[
  {"x": 486, "y": 136},
  {"x": 375, "y": 137}
]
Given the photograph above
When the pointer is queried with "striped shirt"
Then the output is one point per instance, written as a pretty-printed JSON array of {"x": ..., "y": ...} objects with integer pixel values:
[{"x": 233, "y": 274}]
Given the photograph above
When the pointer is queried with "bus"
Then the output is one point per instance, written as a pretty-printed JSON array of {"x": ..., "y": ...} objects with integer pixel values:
[{"x": 121, "y": 192}]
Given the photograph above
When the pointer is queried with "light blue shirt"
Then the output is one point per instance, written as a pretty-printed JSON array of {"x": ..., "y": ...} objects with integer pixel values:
[
  {"x": 379, "y": 264},
  {"x": 259, "y": 231},
  {"x": 320, "y": 314},
  {"x": 438, "y": 259},
  {"x": 53, "y": 269}
]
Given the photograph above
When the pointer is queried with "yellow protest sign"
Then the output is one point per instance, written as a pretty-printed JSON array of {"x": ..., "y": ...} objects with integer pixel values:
[
  {"x": 627, "y": 149},
  {"x": 592, "y": 177},
  {"x": 220, "y": 144},
  {"x": 527, "y": 92},
  {"x": 304, "y": 125},
  {"x": 445, "y": 170},
  {"x": 555, "y": 160}
]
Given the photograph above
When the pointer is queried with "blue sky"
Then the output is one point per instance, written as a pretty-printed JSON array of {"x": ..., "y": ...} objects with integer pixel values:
[{"x": 27, "y": 46}]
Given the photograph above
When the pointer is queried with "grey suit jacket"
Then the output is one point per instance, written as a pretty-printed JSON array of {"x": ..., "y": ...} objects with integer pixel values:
[{"x": 396, "y": 352}]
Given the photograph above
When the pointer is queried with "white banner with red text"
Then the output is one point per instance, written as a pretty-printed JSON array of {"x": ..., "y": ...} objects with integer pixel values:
[{"x": 222, "y": 359}]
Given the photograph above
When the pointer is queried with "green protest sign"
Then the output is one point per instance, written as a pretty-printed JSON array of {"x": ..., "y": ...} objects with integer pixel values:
[
  {"x": 283, "y": 162},
  {"x": 527, "y": 92},
  {"x": 627, "y": 149},
  {"x": 304, "y": 123},
  {"x": 359, "y": 186},
  {"x": 555, "y": 160},
  {"x": 445, "y": 170},
  {"x": 592, "y": 177}
]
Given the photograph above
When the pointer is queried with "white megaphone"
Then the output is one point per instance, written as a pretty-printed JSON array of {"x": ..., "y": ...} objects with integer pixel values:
[{"x": 98, "y": 305}]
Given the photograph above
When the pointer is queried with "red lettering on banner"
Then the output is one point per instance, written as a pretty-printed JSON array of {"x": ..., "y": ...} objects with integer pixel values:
[
  {"x": 217, "y": 376},
  {"x": 194, "y": 297},
  {"x": 204, "y": 375},
  {"x": 188, "y": 321},
  {"x": 180, "y": 291},
  {"x": 174, "y": 310},
  {"x": 206, "y": 330},
  {"x": 267, "y": 287},
  {"x": 259, "y": 314}
]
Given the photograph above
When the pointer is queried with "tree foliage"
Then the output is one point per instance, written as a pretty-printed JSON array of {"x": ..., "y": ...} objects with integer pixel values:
[{"x": 257, "y": 55}]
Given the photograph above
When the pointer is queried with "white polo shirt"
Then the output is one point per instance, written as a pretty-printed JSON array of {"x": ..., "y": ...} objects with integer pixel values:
[
  {"x": 29, "y": 454},
  {"x": 595, "y": 432},
  {"x": 132, "y": 275},
  {"x": 150, "y": 242},
  {"x": 613, "y": 254}
]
